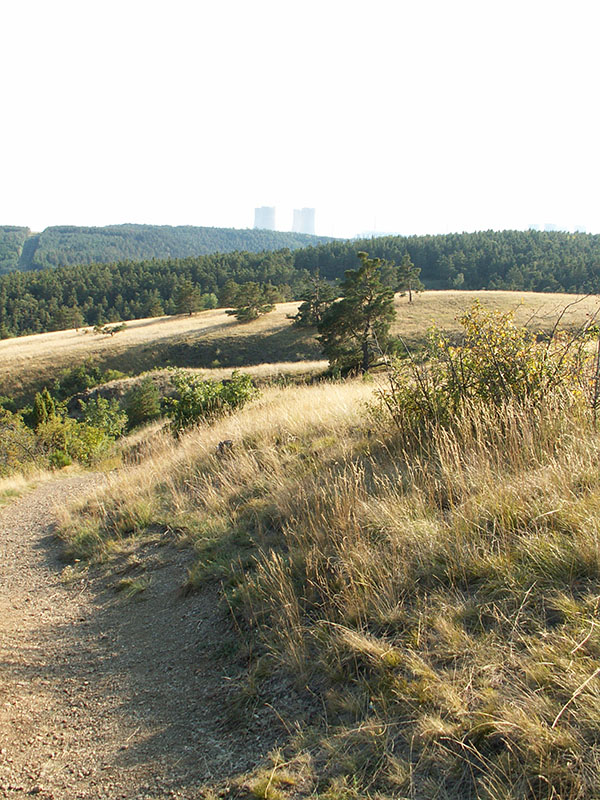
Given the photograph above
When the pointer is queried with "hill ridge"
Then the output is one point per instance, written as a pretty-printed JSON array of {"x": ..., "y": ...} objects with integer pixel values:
[{"x": 62, "y": 245}]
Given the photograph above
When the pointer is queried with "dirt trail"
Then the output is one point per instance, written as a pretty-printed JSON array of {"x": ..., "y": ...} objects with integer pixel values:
[{"x": 101, "y": 697}]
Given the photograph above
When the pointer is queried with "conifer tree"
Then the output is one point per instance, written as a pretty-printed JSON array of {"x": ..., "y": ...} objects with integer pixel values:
[
  {"x": 317, "y": 297},
  {"x": 187, "y": 298},
  {"x": 408, "y": 277},
  {"x": 252, "y": 300},
  {"x": 356, "y": 328}
]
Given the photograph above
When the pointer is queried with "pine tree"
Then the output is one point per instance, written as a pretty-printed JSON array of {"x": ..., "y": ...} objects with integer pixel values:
[
  {"x": 187, "y": 298},
  {"x": 408, "y": 277},
  {"x": 252, "y": 300},
  {"x": 317, "y": 297},
  {"x": 356, "y": 328}
]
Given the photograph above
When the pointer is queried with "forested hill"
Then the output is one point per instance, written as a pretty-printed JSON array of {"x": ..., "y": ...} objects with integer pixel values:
[
  {"x": 12, "y": 239},
  {"x": 64, "y": 245},
  {"x": 530, "y": 260},
  {"x": 50, "y": 299}
]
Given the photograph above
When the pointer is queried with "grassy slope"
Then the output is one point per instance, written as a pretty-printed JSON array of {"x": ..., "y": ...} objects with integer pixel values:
[
  {"x": 439, "y": 599},
  {"x": 30, "y": 362}
]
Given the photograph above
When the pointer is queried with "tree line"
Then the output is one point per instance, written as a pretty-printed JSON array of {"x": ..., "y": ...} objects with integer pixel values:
[{"x": 96, "y": 294}]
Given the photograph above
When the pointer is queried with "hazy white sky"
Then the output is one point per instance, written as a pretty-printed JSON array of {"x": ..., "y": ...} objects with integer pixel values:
[{"x": 406, "y": 116}]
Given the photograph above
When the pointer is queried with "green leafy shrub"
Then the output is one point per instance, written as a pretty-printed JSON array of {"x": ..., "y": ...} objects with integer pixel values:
[
  {"x": 44, "y": 408},
  {"x": 59, "y": 459},
  {"x": 44, "y": 434},
  {"x": 198, "y": 400},
  {"x": 7, "y": 403},
  {"x": 61, "y": 434},
  {"x": 18, "y": 445},
  {"x": 105, "y": 414},
  {"x": 84, "y": 441},
  {"x": 496, "y": 362}
]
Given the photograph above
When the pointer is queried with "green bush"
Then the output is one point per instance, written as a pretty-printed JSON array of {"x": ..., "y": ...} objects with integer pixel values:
[
  {"x": 44, "y": 408},
  {"x": 142, "y": 403},
  {"x": 105, "y": 414},
  {"x": 7, "y": 403},
  {"x": 495, "y": 363},
  {"x": 18, "y": 444},
  {"x": 79, "y": 379},
  {"x": 78, "y": 440},
  {"x": 45, "y": 435},
  {"x": 59, "y": 459},
  {"x": 198, "y": 400}
]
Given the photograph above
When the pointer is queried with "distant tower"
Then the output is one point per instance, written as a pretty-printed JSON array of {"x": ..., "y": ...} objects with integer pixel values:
[
  {"x": 264, "y": 217},
  {"x": 304, "y": 220}
]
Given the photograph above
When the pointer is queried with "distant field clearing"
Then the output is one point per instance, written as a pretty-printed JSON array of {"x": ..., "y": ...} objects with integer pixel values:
[{"x": 214, "y": 339}]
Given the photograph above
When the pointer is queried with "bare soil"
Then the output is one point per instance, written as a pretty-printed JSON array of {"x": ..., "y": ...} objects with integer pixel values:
[{"x": 107, "y": 697}]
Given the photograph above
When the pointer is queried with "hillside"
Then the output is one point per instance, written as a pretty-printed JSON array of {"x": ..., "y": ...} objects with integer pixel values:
[
  {"x": 212, "y": 339},
  {"x": 12, "y": 239},
  {"x": 282, "y": 588},
  {"x": 61, "y": 245},
  {"x": 50, "y": 299},
  {"x": 417, "y": 606}
]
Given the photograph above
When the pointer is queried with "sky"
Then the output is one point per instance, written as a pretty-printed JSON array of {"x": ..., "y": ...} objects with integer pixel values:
[{"x": 393, "y": 115}]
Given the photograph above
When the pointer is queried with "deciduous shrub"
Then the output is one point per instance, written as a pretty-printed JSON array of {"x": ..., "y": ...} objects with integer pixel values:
[
  {"x": 18, "y": 446},
  {"x": 105, "y": 414},
  {"x": 495, "y": 363},
  {"x": 198, "y": 400},
  {"x": 81, "y": 378},
  {"x": 77, "y": 440}
]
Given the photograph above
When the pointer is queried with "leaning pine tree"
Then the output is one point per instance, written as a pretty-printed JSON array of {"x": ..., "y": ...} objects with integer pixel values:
[{"x": 356, "y": 328}]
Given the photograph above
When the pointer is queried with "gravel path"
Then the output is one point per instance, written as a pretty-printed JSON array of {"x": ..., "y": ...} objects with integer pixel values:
[{"x": 103, "y": 697}]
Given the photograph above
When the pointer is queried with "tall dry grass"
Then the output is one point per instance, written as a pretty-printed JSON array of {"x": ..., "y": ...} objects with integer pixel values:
[
  {"x": 438, "y": 594},
  {"x": 448, "y": 595}
]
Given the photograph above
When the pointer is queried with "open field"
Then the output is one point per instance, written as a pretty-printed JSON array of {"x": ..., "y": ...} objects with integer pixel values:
[{"x": 213, "y": 339}]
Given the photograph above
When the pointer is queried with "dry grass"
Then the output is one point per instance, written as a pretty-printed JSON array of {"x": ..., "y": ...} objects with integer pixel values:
[
  {"x": 442, "y": 308},
  {"x": 199, "y": 340},
  {"x": 199, "y": 487},
  {"x": 440, "y": 598},
  {"x": 212, "y": 338}
]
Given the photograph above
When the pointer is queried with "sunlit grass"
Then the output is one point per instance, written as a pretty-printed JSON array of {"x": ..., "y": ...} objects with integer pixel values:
[
  {"x": 438, "y": 596},
  {"x": 211, "y": 339}
]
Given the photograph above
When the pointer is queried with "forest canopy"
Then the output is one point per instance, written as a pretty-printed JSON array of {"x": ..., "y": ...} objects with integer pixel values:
[{"x": 67, "y": 244}]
